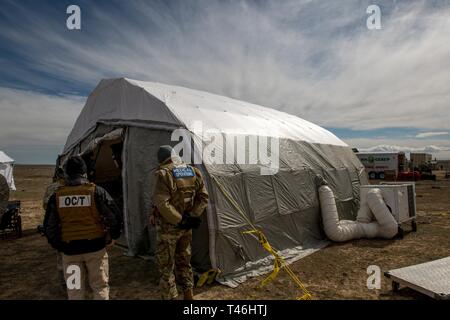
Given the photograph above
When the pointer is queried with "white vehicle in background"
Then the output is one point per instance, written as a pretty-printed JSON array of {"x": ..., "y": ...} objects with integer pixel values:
[
  {"x": 6, "y": 169},
  {"x": 10, "y": 218},
  {"x": 381, "y": 164}
]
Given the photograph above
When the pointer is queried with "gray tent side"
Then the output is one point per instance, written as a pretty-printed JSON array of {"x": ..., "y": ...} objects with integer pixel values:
[{"x": 284, "y": 206}]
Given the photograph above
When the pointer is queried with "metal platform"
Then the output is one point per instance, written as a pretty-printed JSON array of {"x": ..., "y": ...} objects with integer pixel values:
[{"x": 430, "y": 278}]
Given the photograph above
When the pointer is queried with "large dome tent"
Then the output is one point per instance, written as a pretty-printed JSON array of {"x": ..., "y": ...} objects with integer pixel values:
[{"x": 127, "y": 120}]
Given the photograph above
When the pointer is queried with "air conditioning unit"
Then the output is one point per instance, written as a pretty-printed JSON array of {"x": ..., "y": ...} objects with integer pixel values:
[{"x": 400, "y": 197}]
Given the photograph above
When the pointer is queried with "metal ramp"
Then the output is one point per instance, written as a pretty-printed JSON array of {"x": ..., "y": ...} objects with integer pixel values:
[{"x": 430, "y": 278}]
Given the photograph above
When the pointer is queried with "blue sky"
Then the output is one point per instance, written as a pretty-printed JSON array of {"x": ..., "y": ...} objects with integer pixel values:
[{"x": 376, "y": 89}]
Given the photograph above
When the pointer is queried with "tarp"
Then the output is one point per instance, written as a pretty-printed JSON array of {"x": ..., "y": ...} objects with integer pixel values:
[
  {"x": 284, "y": 205},
  {"x": 6, "y": 169}
]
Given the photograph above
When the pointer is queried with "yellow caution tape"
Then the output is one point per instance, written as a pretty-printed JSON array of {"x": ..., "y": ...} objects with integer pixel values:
[
  {"x": 279, "y": 262},
  {"x": 207, "y": 277},
  {"x": 306, "y": 296},
  {"x": 277, "y": 259}
]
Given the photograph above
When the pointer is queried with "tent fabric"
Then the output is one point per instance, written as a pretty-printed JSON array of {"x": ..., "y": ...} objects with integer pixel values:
[
  {"x": 159, "y": 103},
  {"x": 284, "y": 205},
  {"x": 6, "y": 169}
]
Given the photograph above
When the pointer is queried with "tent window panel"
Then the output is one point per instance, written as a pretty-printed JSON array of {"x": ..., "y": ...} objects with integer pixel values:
[
  {"x": 292, "y": 155},
  {"x": 340, "y": 183},
  {"x": 356, "y": 183},
  {"x": 295, "y": 191},
  {"x": 315, "y": 155},
  {"x": 261, "y": 195},
  {"x": 335, "y": 155},
  {"x": 353, "y": 174},
  {"x": 227, "y": 214}
]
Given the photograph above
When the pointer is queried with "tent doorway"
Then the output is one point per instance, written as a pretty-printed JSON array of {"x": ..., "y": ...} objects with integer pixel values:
[{"x": 104, "y": 165}]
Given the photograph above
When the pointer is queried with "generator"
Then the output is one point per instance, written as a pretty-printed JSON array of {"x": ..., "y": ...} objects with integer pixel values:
[{"x": 400, "y": 198}]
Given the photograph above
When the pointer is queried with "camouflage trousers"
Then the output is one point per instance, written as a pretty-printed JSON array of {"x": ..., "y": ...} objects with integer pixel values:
[{"x": 173, "y": 258}]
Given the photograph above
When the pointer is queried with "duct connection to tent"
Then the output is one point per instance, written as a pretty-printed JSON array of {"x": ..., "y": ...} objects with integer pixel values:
[{"x": 374, "y": 219}]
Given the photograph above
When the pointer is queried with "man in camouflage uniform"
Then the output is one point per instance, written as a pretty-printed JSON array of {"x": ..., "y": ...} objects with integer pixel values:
[{"x": 180, "y": 197}]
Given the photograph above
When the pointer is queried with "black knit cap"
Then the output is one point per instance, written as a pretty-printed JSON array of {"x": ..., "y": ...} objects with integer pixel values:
[
  {"x": 75, "y": 166},
  {"x": 164, "y": 153}
]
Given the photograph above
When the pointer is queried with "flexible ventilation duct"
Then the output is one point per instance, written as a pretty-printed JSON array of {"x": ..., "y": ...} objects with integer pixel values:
[{"x": 372, "y": 208}]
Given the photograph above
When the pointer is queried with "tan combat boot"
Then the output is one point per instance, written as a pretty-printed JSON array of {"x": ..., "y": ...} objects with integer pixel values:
[{"x": 188, "y": 294}]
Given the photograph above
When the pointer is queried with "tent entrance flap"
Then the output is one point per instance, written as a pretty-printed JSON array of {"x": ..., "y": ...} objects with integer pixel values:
[
  {"x": 104, "y": 165},
  {"x": 103, "y": 158},
  {"x": 140, "y": 158}
]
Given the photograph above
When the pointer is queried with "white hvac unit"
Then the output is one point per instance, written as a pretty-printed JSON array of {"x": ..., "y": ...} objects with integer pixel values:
[{"x": 400, "y": 199}]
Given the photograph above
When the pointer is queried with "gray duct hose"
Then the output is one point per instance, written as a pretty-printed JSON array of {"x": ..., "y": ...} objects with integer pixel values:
[
  {"x": 4, "y": 194},
  {"x": 337, "y": 230},
  {"x": 387, "y": 225}
]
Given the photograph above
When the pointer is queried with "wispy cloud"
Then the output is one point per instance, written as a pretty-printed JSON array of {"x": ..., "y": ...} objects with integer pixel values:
[
  {"x": 431, "y": 134},
  {"x": 390, "y": 148},
  {"x": 31, "y": 118},
  {"x": 313, "y": 59},
  {"x": 439, "y": 148}
]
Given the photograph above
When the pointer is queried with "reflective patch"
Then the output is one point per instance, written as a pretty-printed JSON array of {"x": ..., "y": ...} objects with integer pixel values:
[
  {"x": 183, "y": 172},
  {"x": 75, "y": 201}
]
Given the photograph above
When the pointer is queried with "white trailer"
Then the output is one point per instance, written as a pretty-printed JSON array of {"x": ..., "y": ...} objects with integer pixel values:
[{"x": 378, "y": 164}]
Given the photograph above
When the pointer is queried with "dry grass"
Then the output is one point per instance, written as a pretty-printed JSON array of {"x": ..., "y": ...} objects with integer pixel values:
[{"x": 28, "y": 265}]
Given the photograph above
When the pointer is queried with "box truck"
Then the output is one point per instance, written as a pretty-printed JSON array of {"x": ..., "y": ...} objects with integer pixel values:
[{"x": 380, "y": 165}]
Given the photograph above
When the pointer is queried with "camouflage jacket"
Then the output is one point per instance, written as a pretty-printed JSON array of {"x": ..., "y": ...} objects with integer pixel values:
[{"x": 179, "y": 189}]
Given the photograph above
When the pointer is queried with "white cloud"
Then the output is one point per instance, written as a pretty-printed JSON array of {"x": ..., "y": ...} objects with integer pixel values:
[
  {"x": 391, "y": 148},
  {"x": 431, "y": 134},
  {"x": 31, "y": 118},
  {"x": 313, "y": 59},
  {"x": 440, "y": 149}
]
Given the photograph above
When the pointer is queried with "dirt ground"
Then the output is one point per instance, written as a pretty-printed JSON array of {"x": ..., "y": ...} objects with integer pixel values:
[{"x": 28, "y": 265}]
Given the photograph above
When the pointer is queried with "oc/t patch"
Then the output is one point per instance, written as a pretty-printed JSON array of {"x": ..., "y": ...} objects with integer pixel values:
[
  {"x": 183, "y": 172},
  {"x": 75, "y": 201}
]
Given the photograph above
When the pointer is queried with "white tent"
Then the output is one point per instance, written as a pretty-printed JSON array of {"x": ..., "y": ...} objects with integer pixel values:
[
  {"x": 133, "y": 118},
  {"x": 6, "y": 169}
]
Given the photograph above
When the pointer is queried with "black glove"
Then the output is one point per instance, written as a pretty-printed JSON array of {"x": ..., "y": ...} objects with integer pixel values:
[{"x": 188, "y": 222}]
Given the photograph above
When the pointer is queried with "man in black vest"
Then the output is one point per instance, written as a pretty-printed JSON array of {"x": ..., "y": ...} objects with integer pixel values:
[{"x": 80, "y": 221}]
